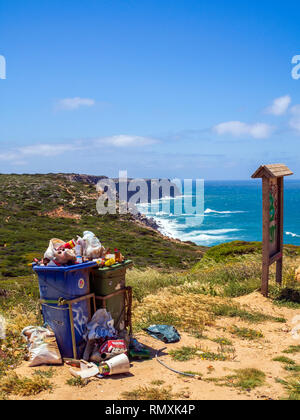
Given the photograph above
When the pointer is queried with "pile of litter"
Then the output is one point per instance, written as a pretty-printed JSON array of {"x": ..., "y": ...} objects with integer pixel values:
[
  {"x": 86, "y": 248},
  {"x": 79, "y": 281}
]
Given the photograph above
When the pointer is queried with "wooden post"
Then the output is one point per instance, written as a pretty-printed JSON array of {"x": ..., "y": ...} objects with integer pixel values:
[
  {"x": 280, "y": 237},
  {"x": 265, "y": 242},
  {"x": 272, "y": 195}
]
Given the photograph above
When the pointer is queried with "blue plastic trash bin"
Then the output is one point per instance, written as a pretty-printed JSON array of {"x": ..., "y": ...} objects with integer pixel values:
[{"x": 66, "y": 283}]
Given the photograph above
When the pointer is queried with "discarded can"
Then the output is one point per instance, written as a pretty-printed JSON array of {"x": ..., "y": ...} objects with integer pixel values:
[
  {"x": 104, "y": 370},
  {"x": 118, "y": 364}
]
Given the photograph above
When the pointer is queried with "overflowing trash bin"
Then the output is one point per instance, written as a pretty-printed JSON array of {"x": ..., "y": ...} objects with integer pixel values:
[
  {"x": 66, "y": 304},
  {"x": 86, "y": 307}
]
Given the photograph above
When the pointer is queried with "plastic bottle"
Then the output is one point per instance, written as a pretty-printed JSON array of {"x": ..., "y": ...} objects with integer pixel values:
[{"x": 78, "y": 253}]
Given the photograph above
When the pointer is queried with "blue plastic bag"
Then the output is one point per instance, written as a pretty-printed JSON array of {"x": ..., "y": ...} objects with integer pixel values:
[{"x": 165, "y": 333}]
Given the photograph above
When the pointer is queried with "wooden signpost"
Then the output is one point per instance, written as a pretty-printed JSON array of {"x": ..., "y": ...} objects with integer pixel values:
[{"x": 272, "y": 198}]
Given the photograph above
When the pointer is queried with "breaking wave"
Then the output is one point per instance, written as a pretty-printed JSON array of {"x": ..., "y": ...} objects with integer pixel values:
[
  {"x": 294, "y": 235},
  {"x": 208, "y": 211}
]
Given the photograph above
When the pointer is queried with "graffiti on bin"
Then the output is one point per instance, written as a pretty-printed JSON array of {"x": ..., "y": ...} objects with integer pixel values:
[
  {"x": 43, "y": 290},
  {"x": 80, "y": 320}
]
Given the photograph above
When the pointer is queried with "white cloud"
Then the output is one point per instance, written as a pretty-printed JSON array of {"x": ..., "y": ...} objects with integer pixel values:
[
  {"x": 279, "y": 105},
  {"x": 8, "y": 156},
  {"x": 22, "y": 154},
  {"x": 124, "y": 140},
  {"x": 75, "y": 103},
  {"x": 295, "y": 120},
  {"x": 238, "y": 129},
  {"x": 46, "y": 149},
  {"x": 43, "y": 150}
]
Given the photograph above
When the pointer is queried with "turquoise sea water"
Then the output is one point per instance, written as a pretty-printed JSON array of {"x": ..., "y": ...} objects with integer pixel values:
[{"x": 232, "y": 211}]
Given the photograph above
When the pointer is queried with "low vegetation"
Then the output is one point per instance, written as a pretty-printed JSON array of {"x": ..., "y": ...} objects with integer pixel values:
[
  {"x": 44, "y": 373},
  {"x": 150, "y": 393},
  {"x": 77, "y": 382},
  {"x": 245, "y": 379},
  {"x": 157, "y": 382},
  {"x": 187, "y": 353},
  {"x": 292, "y": 386},
  {"x": 289, "y": 364},
  {"x": 292, "y": 350},
  {"x": 223, "y": 341},
  {"x": 285, "y": 360},
  {"x": 23, "y": 386},
  {"x": 245, "y": 333}
]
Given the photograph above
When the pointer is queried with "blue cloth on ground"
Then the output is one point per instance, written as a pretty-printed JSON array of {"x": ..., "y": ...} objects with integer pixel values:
[{"x": 165, "y": 333}]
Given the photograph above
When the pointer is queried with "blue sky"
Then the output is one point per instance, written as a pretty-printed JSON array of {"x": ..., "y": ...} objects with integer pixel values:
[{"x": 162, "y": 88}]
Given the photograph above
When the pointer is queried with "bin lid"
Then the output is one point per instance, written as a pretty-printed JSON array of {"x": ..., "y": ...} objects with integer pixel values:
[
  {"x": 73, "y": 267},
  {"x": 116, "y": 266}
]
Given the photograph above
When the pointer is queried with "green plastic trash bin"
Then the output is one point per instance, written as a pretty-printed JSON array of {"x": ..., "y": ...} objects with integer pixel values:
[{"x": 109, "y": 286}]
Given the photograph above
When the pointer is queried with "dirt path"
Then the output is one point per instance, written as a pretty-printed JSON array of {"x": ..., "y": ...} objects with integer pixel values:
[{"x": 248, "y": 354}]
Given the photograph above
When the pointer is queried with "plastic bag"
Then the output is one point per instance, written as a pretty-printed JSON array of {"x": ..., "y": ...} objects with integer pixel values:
[
  {"x": 101, "y": 326},
  {"x": 92, "y": 247},
  {"x": 42, "y": 346},
  {"x": 54, "y": 244},
  {"x": 56, "y": 252}
]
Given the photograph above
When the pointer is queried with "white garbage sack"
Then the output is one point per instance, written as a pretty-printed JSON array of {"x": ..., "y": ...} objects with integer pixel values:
[
  {"x": 42, "y": 346},
  {"x": 92, "y": 247}
]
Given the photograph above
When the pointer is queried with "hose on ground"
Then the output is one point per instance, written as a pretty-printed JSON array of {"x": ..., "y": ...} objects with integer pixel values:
[{"x": 192, "y": 375}]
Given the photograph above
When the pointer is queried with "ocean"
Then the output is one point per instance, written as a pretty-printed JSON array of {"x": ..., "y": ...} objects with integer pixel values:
[{"x": 232, "y": 211}]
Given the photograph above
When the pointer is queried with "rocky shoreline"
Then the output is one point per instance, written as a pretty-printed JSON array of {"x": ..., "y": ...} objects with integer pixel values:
[
  {"x": 147, "y": 221},
  {"x": 94, "y": 179},
  {"x": 138, "y": 218}
]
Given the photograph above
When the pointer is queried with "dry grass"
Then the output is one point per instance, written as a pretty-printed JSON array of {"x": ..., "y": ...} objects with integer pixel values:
[
  {"x": 13, "y": 384},
  {"x": 150, "y": 393},
  {"x": 78, "y": 382},
  {"x": 246, "y": 333},
  {"x": 191, "y": 312},
  {"x": 149, "y": 280},
  {"x": 188, "y": 311},
  {"x": 244, "y": 379},
  {"x": 20, "y": 317},
  {"x": 184, "y": 353},
  {"x": 292, "y": 386}
]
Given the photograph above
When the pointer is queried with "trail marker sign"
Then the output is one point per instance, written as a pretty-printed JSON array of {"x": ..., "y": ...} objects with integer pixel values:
[{"x": 272, "y": 201}]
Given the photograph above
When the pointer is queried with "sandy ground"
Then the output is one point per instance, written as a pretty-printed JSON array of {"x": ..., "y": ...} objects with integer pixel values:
[{"x": 249, "y": 354}]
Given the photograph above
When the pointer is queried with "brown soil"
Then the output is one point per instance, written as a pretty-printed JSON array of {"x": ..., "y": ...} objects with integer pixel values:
[
  {"x": 248, "y": 354},
  {"x": 60, "y": 212}
]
